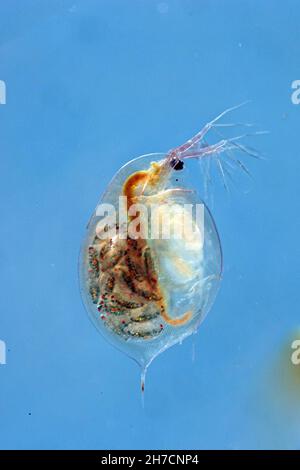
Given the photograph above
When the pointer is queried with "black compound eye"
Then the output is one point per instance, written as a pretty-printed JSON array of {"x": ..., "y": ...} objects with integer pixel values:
[{"x": 177, "y": 165}]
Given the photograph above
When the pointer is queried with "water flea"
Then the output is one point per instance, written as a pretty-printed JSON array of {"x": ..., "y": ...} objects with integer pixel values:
[{"x": 157, "y": 285}]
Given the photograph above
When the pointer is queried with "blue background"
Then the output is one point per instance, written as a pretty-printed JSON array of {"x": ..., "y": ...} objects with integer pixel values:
[{"x": 91, "y": 84}]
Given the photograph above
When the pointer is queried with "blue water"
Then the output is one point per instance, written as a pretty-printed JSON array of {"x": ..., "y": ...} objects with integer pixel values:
[{"x": 91, "y": 84}]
